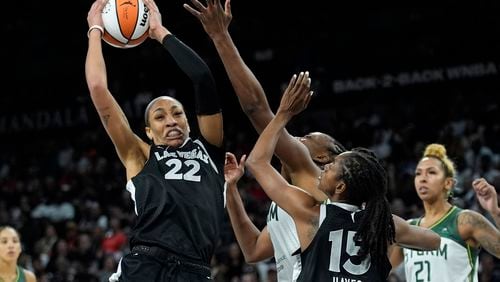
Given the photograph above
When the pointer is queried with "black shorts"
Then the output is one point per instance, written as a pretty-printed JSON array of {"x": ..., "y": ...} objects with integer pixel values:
[{"x": 153, "y": 264}]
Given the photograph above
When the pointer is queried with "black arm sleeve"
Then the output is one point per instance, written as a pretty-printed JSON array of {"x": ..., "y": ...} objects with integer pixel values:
[{"x": 206, "y": 99}]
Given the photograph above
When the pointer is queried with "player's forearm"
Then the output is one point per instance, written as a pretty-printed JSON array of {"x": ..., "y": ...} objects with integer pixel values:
[
  {"x": 495, "y": 214},
  {"x": 245, "y": 231},
  {"x": 264, "y": 148},
  {"x": 95, "y": 67},
  {"x": 246, "y": 86},
  {"x": 205, "y": 94}
]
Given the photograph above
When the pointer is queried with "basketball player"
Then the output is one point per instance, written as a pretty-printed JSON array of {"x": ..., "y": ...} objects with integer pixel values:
[
  {"x": 176, "y": 181},
  {"x": 463, "y": 232},
  {"x": 10, "y": 250},
  {"x": 279, "y": 237},
  {"x": 349, "y": 239}
]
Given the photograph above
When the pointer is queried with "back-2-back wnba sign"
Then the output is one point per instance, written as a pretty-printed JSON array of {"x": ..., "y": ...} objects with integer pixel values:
[{"x": 415, "y": 77}]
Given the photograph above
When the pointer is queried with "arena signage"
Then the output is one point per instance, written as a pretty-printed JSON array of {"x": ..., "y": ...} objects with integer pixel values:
[{"x": 415, "y": 77}]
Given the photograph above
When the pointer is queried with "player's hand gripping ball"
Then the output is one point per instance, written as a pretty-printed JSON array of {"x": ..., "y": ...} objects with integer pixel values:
[{"x": 126, "y": 23}]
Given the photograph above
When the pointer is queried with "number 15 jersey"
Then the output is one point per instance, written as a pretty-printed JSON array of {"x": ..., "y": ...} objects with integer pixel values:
[{"x": 332, "y": 254}]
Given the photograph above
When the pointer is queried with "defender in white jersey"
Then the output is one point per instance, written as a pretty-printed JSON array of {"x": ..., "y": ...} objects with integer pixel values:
[
  {"x": 304, "y": 207},
  {"x": 286, "y": 243},
  {"x": 355, "y": 177},
  {"x": 256, "y": 245},
  {"x": 463, "y": 232},
  {"x": 280, "y": 237}
]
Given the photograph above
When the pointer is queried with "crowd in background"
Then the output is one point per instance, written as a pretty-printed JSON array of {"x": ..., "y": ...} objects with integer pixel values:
[
  {"x": 66, "y": 194},
  {"x": 63, "y": 188}
]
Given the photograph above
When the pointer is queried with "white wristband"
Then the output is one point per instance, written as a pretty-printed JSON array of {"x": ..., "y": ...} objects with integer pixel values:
[{"x": 100, "y": 28}]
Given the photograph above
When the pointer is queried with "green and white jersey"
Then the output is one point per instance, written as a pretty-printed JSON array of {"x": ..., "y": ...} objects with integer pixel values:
[
  {"x": 21, "y": 277},
  {"x": 455, "y": 261},
  {"x": 286, "y": 244}
]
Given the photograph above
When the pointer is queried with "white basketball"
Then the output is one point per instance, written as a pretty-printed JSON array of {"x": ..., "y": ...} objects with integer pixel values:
[{"x": 126, "y": 23}]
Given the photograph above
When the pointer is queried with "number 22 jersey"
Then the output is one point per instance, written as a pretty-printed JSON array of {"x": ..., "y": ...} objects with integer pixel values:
[{"x": 179, "y": 199}]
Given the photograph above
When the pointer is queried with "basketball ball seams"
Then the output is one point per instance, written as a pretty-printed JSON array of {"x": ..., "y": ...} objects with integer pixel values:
[
  {"x": 137, "y": 10},
  {"x": 113, "y": 41},
  {"x": 126, "y": 23},
  {"x": 135, "y": 42}
]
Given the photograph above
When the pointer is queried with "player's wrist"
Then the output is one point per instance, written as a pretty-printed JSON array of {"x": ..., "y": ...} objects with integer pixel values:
[
  {"x": 496, "y": 212},
  {"x": 95, "y": 28},
  {"x": 161, "y": 34}
]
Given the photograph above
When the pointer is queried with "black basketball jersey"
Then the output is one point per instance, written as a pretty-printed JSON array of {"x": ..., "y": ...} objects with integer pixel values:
[
  {"x": 179, "y": 199},
  {"x": 332, "y": 254}
]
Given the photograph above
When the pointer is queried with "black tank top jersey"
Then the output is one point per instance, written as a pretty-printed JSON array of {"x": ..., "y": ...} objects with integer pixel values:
[
  {"x": 332, "y": 254},
  {"x": 179, "y": 199}
]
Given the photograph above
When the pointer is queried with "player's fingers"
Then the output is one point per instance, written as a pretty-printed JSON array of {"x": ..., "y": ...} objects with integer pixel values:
[
  {"x": 100, "y": 4},
  {"x": 291, "y": 83},
  {"x": 190, "y": 9},
  {"x": 152, "y": 6},
  {"x": 227, "y": 7},
  {"x": 242, "y": 160},
  {"x": 198, "y": 5},
  {"x": 308, "y": 98}
]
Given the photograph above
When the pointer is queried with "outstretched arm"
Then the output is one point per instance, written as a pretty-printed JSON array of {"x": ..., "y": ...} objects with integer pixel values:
[
  {"x": 415, "y": 237},
  {"x": 255, "y": 245},
  {"x": 295, "y": 99},
  {"x": 215, "y": 20},
  {"x": 412, "y": 237},
  {"x": 207, "y": 104},
  {"x": 131, "y": 149}
]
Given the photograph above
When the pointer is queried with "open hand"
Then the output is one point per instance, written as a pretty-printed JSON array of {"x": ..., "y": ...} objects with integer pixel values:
[
  {"x": 214, "y": 18},
  {"x": 94, "y": 17},
  {"x": 297, "y": 95},
  {"x": 233, "y": 170},
  {"x": 156, "y": 29}
]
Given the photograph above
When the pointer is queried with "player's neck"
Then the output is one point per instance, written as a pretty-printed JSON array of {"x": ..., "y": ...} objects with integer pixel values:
[
  {"x": 434, "y": 212},
  {"x": 8, "y": 270}
]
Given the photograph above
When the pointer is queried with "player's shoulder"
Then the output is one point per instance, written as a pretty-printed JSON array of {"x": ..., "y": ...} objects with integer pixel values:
[
  {"x": 469, "y": 217},
  {"x": 29, "y": 275}
]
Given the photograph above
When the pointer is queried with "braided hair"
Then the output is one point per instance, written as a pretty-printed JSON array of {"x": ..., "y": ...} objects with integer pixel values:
[{"x": 366, "y": 180}]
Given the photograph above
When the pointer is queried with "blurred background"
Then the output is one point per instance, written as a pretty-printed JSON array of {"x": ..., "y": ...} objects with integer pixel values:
[{"x": 390, "y": 79}]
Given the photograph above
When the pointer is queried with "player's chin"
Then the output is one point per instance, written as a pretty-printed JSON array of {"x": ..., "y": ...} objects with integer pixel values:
[{"x": 174, "y": 142}]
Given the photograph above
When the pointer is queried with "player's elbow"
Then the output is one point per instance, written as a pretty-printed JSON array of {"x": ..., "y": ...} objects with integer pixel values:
[
  {"x": 435, "y": 241},
  {"x": 251, "y": 259},
  {"x": 432, "y": 241},
  {"x": 252, "y": 164},
  {"x": 254, "y": 257},
  {"x": 251, "y": 109},
  {"x": 258, "y": 112},
  {"x": 96, "y": 85}
]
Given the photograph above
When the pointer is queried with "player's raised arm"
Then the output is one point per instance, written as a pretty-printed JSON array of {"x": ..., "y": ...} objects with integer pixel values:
[{"x": 130, "y": 148}]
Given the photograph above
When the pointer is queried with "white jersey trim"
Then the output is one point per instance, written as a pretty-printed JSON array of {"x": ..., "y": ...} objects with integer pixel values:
[
  {"x": 347, "y": 207},
  {"x": 131, "y": 188},
  {"x": 206, "y": 152}
]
